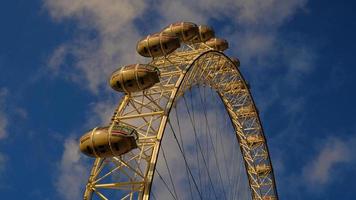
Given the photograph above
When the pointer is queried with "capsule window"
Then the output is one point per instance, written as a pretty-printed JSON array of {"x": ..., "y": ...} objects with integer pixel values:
[
  {"x": 89, "y": 150},
  {"x": 129, "y": 83},
  {"x": 155, "y": 48},
  {"x": 145, "y": 50},
  {"x": 133, "y": 142},
  {"x": 116, "y": 146},
  {"x": 165, "y": 46},
  {"x": 84, "y": 139},
  {"x": 142, "y": 81},
  {"x": 185, "y": 33},
  {"x": 118, "y": 85},
  {"x": 101, "y": 149}
]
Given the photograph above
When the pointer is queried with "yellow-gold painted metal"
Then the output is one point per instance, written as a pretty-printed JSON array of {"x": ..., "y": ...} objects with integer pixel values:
[
  {"x": 134, "y": 78},
  {"x": 185, "y": 31},
  {"x": 157, "y": 45},
  {"x": 148, "y": 111}
]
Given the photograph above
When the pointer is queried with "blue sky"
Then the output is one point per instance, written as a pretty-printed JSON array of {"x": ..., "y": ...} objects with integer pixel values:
[{"x": 55, "y": 58}]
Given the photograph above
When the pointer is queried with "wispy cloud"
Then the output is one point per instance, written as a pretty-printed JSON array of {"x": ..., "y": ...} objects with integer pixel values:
[
  {"x": 107, "y": 32},
  {"x": 57, "y": 58},
  {"x": 3, "y": 116},
  {"x": 243, "y": 12},
  {"x": 333, "y": 154},
  {"x": 251, "y": 27},
  {"x": 3, "y": 163},
  {"x": 72, "y": 172},
  {"x": 100, "y": 112},
  {"x": 321, "y": 163},
  {"x": 112, "y": 23},
  {"x": 220, "y": 142},
  {"x": 3, "y": 127},
  {"x": 73, "y": 168}
]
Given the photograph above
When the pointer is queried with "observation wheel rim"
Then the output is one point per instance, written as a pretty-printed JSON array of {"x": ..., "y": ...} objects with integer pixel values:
[{"x": 179, "y": 88}]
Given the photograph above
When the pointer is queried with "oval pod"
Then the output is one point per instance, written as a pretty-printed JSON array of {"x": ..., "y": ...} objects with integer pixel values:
[
  {"x": 217, "y": 44},
  {"x": 104, "y": 142},
  {"x": 134, "y": 78},
  {"x": 185, "y": 31},
  {"x": 205, "y": 33},
  {"x": 156, "y": 45}
]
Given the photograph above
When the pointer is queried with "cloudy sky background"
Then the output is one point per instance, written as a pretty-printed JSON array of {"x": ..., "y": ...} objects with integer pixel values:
[{"x": 55, "y": 58}]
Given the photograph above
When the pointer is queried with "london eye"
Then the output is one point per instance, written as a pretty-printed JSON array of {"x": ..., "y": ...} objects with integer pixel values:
[{"x": 186, "y": 127}]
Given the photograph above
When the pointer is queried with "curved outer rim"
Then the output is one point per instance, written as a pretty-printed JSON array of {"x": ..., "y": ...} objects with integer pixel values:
[
  {"x": 173, "y": 98},
  {"x": 259, "y": 121}
]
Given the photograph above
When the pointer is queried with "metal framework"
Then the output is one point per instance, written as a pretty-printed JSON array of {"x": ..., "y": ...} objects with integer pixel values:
[{"x": 148, "y": 112}]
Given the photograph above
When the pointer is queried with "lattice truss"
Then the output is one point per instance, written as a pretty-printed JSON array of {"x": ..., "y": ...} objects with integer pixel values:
[{"x": 131, "y": 174}]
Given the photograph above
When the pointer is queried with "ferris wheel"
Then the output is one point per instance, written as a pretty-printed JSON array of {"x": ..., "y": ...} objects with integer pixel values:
[{"x": 186, "y": 128}]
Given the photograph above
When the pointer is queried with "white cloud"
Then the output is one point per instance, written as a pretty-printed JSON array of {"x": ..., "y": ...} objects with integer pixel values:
[
  {"x": 3, "y": 163},
  {"x": 21, "y": 112},
  {"x": 333, "y": 154},
  {"x": 243, "y": 12},
  {"x": 72, "y": 172},
  {"x": 57, "y": 59},
  {"x": 223, "y": 146},
  {"x": 107, "y": 34},
  {"x": 3, "y": 126},
  {"x": 113, "y": 24},
  {"x": 4, "y": 123},
  {"x": 270, "y": 12},
  {"x": 333, "y": 159},
  {"x": 106, "y": 16},
  {"x": 252, "y": 29},
  {"x": 3, "y": 116},
  {"x": 101, "y": 112}
]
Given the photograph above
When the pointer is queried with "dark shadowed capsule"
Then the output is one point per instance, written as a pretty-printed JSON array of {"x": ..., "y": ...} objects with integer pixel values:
[
  {"x": 269, "y": 198},
  {"x": 134, "y": 78},
  {"x": 185, "y": 31},
  {"x": 254, "y": 139},
  {"x": 217, "y": 44},
  {"x": 110, "y": 141},
  {"x": 236, "y": 61},
  {"x": 156, "y": 45},
  {"x": 234, "y": 86},
  {"x": 262, "y": 169},
  {"x": 205, "y": 33}
]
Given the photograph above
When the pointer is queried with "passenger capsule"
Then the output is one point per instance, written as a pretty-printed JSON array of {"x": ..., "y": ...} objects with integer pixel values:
[
  {"x": 156, "y": 45},
  {"x": 254, "y": 139},
  {"x": 269, "y": 198},
  {"x": 234, "y": 86},
  {"x": 236, "y": 61},
  {"x": 205, "y": 33},
  {"x": 246, "y": 111},
  {"x": 134, "y": 78},
  {"x": 103, "y": 142},
  {"x": 185, "y": 31},
  {"x": 263, "y": 169},
  {"x": 217, "y": 44}
]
